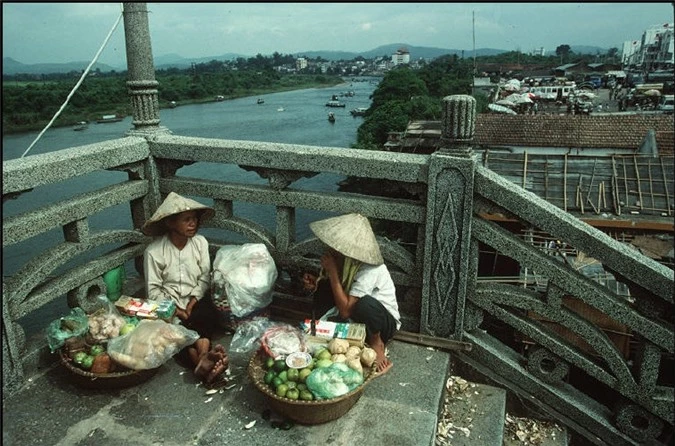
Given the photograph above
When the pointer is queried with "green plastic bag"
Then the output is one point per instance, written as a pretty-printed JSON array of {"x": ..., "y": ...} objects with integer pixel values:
[
  {"x": 75, "y": 324},
  {"x": 114, "y": 281},
  {"x": 335, "y": 380}
]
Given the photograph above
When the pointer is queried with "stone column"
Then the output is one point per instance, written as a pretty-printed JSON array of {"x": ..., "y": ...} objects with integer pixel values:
[
  {"x": 141, "y": 71},
  {"x": 447, "y": 248}
]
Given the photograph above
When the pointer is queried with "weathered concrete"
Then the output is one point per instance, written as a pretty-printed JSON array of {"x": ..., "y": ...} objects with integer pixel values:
[{"x": 399, "y": 408}]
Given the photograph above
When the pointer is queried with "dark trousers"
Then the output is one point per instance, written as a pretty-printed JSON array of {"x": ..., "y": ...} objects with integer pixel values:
[{"x": 370, "y": 312}]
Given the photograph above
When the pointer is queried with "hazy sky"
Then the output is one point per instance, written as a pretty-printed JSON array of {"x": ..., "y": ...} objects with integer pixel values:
[{"x": 65, "y": 32}]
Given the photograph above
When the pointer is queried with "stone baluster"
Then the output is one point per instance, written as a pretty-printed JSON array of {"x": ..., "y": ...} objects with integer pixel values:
[
  {"x": 447, "y": 247},
  {"x": 141, "y": 71}
]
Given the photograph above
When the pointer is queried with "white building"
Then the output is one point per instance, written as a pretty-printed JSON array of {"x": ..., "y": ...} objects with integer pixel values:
[
  {"x": 300, "y": 63},
  {"x": 401, "y": 57},
  {"x": 538, "y": 52},
  {"x": 653, "y": 52}
]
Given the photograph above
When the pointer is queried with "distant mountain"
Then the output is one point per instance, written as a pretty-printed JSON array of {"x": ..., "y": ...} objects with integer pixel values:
[
  {"x": 416, "y": 52},
  {"x": 12, "y": 66},
  {"x": 176, "y": 61}
]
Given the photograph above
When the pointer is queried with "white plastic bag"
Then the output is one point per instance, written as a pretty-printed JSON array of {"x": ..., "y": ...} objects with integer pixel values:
[
  {"x": 150, "y": 344},
  {"x": 246, "y": 274}
]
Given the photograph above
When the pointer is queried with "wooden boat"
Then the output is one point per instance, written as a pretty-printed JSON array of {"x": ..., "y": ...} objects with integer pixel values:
[{"x": 331, "y": 117}]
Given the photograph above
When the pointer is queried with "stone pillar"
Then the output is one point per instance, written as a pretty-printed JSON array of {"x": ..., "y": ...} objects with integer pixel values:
[
  {"x": 141, "y": 71},
  {"x": 447, "y": 248}
]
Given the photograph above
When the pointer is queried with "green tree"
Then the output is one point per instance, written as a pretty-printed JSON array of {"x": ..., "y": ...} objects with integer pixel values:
[{"x": 563, "y": 51}]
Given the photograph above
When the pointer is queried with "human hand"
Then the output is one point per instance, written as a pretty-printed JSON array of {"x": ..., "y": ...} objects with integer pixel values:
[
  {"x": 329, "y": 262},
  {"x": 309, "y": 282},
  {"x": 182, "y": 314}
]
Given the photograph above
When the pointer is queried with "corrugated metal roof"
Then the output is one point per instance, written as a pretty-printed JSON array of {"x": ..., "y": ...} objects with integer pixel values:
[{"x": 566, "y": 67}]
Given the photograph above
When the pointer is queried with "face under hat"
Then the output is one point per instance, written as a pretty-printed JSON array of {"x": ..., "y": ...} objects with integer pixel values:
[
  {"x": 174, "y": 204},
  {"x": 351, "y": 235}
]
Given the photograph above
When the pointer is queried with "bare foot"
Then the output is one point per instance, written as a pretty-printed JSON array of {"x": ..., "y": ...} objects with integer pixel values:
[
  {"x": 383, "y": 365},
  {"x": 212, "y": 364}
]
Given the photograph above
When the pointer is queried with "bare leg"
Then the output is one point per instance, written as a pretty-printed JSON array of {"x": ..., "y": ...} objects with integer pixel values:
[
  {"x": 211, "y": 364},
  {"x": 198, "y": 349},
  {"x": 382, "y": 363}
]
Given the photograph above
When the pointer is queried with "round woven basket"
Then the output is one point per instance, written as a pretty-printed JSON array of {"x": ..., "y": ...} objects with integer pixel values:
[
  {"x": 113, "y": 380},
  {"x": 300, "y": 411}
]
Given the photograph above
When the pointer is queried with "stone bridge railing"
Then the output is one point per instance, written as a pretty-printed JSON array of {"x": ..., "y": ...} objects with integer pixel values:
[
  {"x": 68, "y": 240},
  {"x": 439, "y": 288}
]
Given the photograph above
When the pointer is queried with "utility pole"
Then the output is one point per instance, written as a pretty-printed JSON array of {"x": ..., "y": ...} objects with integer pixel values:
[{"x": 473, "y": 75}]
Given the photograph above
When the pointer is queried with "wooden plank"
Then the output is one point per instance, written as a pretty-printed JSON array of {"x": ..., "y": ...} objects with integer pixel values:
[
  {"x": 637, "y": 176},
  {"x": 590, "y": 187},
  {"x": 565, "y": 182},
  {"x": 615, "y": 186},
  {"x": 432, "y": 341},
  {"x": 546, "y": 178},
  {"x": 651, "y": 186},
  {"x": 665, "y": 187},
  {"x": 625, "y": 181},
  {"x": 525, "y": 170}
]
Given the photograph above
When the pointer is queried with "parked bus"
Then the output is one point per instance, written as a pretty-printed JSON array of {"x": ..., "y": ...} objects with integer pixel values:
[{"x": 553, "y": 92}]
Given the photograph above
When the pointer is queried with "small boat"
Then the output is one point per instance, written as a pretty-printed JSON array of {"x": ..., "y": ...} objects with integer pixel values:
[
  {"x": 82, "y": 125},
  {"x": 109, "y": 118},
  {"x": 261, "y": 101},
  {"x": 219, "y": 98},
  {"x": 280, "y": 109},
  {"x": 332, "y": 103},
  {"x": 358, "y": 111},
  {"x": 173, "y": 104},
  {"x": 331, "y": 117}
]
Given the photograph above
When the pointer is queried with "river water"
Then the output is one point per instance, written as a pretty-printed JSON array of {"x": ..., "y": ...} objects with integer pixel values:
[{"x": 294, "y": 117}]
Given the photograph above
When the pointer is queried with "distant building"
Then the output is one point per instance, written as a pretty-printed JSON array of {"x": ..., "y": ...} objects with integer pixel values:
[
  {"x": 401, "y": 57},
  {"x": 653, "y": 52},
  {"x": 538, "y": 52},
  {"x": 300, "y": 63}
]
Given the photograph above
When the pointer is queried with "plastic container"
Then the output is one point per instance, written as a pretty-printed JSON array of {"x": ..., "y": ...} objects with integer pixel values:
[{"x": 114, "y": 282}]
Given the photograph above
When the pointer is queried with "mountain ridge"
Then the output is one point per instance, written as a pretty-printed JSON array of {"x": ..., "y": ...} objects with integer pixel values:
[{"x": 12, "y": 66}]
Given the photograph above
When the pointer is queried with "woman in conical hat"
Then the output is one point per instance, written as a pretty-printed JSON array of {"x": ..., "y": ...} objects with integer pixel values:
[
  {"x": 360, "y": 283},
  {"x": 177, "y": 268}
]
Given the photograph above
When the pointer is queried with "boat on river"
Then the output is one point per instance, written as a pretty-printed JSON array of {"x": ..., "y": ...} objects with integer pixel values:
[
  {"x": 261, "y": 101},
  {"x": 358, "y": 111},
  {"x": 331, "y": 117},
  {"x": 82, "y": 125},
  {"x": 109, "y": 118},
  {"x": 333, "y": 103}
]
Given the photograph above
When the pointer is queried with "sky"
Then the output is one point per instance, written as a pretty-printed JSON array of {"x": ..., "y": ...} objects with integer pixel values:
[{"x": 67, "y": 32}]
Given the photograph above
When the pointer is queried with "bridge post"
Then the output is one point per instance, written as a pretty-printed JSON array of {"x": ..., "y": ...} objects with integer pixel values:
[
  {"x": 141, "y": 71},
  {"x": 447, "y": 247}
]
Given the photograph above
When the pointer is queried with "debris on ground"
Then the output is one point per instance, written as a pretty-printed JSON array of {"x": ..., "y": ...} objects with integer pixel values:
[
  {"x": 528, "y": 431},
  {"x": 455, "y": 423}
]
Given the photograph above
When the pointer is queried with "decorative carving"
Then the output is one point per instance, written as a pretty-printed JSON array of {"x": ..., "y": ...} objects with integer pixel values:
[
  {"x": 546, "y": 366},
  {"x": 637, "y": 423},
  {"x": 279, "y": 179},
  {"x": 86, "y": 295}
]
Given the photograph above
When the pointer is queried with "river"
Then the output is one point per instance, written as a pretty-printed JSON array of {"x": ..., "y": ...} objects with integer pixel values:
[{"x": 293, "y": 117}]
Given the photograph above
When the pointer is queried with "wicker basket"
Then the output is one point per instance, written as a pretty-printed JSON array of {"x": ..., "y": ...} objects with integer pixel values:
[
  {"x": 300, "y": 411},
  {"x": 113, "y": 380}
]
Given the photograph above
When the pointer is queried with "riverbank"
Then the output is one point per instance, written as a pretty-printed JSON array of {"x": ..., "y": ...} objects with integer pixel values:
[{"x": 123, "y": 109}]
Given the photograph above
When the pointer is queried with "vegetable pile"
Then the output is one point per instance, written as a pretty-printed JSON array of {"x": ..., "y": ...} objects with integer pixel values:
[{"x": 335, "y": 370}]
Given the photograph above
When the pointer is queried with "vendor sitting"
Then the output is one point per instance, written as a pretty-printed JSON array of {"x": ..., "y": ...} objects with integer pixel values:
[
  {"x": 360, "y": 283},
  {"x": 177, "y": 267}
]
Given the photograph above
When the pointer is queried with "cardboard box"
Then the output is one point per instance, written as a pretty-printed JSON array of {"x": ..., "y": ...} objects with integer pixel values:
[
  {"x": 134, "y": 306},
  {"x": 354, "y": 333}
]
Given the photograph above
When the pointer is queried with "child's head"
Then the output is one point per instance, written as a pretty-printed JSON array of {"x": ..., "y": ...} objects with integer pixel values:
[{"x": 177, "y": 214}]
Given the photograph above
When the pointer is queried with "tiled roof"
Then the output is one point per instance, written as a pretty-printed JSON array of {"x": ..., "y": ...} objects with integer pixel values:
[
  {"x": 564, "y": 131},
  {"x": 578, "y": 131}
]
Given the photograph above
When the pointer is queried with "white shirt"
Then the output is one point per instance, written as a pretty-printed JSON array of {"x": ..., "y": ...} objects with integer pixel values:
[
  {"x": 177, "y": 274},
  {"x": 376, "y": 281}
]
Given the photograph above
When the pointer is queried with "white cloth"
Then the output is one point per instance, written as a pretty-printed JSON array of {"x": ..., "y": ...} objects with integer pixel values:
[
  {"x": 177, "y": 274},
  {"x": 376, "y": 281}
]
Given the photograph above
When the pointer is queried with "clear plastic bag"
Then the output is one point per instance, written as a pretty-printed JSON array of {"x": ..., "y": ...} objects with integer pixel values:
[
  {"x": 243, "y": 276},
  {"x": 75, "y": 324},
  {"x": 150, "y": 344},
  {"x": 106, "y": 322},
  {"x": 335, "y": 380},
  {"x": 247, "y": 337}
]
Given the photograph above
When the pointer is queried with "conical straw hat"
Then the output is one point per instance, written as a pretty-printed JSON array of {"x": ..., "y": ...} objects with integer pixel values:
[
  {"x": 174, "y": 204},
  {"x": 350, "y": 235}
]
